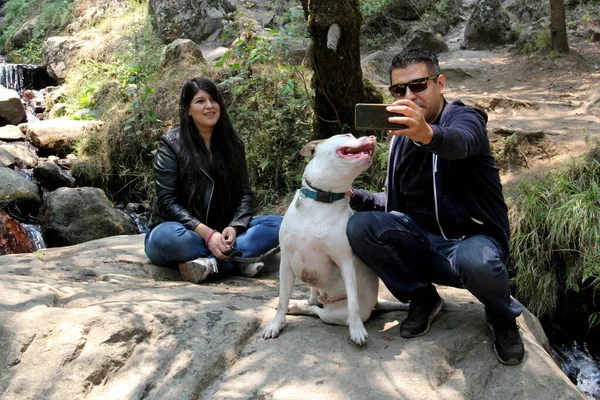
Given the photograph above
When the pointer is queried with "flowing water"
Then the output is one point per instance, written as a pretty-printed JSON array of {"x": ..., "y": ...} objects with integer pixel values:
[
  {"x": 581, "y": 365},
  {"x": 35, "y": 233}
]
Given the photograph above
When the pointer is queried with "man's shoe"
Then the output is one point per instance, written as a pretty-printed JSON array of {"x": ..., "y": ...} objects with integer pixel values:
[
  {"x": 197, "y": 270},
  {"x": 507, "y": 342},
  {"x": 421, "y": 312}
]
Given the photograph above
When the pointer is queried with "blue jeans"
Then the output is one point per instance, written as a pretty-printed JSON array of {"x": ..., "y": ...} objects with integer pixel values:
[
  {"x": 170, "y": 243},
  {"x": 408, "y": 259}
]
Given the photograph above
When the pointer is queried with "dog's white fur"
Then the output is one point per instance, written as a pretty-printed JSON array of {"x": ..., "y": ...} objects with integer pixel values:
[{"x": 315, "y": 248}]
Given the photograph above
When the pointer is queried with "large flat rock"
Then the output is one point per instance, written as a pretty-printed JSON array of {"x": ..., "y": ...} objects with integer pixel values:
[{"x": 97, "y": 321}]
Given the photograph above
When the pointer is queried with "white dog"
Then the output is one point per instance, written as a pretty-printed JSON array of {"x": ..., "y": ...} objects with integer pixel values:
[{"x": 314, "y": 245}]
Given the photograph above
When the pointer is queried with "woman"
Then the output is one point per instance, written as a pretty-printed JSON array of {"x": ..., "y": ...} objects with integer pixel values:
[{"x": 204, "y": 204}]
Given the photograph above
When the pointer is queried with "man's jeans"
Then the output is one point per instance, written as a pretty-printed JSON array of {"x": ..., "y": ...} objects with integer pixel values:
[
  {"x": 408, "y": 259},
  {"x": 170, "y": 243}
]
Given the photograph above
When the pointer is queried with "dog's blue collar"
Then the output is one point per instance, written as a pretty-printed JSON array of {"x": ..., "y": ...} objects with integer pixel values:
[
  {"x": 323, "y": 197},
  {"x": 319, "y": 195}
]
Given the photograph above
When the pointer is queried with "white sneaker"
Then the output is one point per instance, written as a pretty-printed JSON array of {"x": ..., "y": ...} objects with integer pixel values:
[
  {"x": 197, "y": 270},
  {"x": 249, "y": 270}
]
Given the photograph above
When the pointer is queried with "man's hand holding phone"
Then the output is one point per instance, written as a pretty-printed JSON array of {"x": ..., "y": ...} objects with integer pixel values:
[
  {"x": 403, "y": 117},
  {"x": 412, "y": 117}
]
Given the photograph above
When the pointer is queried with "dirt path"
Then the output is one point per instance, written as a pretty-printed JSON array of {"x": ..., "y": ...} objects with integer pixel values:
[{"x": 554, "y": 104}]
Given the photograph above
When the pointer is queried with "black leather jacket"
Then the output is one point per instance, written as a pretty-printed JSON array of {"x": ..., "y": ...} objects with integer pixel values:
[{"x": 169, "y": 202}]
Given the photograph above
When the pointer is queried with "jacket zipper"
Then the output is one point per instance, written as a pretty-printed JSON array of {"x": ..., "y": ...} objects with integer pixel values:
[
  {"x": 435, "y": 202},
  {"x": 387, "y": 195},
  {"x": 211, "y": 193}
]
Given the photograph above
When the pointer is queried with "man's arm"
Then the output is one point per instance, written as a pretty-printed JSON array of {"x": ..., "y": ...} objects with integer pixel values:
[
  {"x": 463, "y": 136},
  {"x": 462, "y": 133}
]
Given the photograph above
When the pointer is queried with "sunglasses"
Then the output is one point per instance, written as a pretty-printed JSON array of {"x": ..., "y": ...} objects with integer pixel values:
[{"x": 416, "y": 86}]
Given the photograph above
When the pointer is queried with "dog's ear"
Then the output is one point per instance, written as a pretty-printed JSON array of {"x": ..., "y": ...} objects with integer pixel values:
[{"x": 309, "y": 149}]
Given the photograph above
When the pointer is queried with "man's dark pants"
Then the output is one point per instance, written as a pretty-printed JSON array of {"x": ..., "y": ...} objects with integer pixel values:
[{"x": 408, "y": 259}]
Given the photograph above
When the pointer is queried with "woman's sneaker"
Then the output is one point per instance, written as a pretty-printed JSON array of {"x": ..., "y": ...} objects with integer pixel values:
[
  {"x": 249, "y": 270},
  {"x": 197, "y": 270}
]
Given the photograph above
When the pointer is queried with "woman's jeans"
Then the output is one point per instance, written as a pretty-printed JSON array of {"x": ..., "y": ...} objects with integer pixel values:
[
  {"x": 170, "y": 243},
  {"x": 408, "y": 259}
]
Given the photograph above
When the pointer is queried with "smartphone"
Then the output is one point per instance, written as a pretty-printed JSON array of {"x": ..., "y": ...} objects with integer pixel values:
[{"x": 374, "y": 117}]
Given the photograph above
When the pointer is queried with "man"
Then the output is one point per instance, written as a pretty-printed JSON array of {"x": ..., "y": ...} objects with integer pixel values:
[{"x": 446, "y": 220}]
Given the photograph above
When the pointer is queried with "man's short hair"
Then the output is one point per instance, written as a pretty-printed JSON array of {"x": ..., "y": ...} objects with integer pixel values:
[{"x": 414, "y": 56}]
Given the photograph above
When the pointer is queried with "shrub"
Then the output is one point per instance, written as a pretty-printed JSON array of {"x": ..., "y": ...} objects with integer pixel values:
[
  {"x": 270, "y": 108},
  {"x": 52, "y": 17},
  {"x": 538, "y": 41},
  {"x": 555, "y": 243},
  {"x": 296, "y": 26},
  {"x": 118, "y": 89}
]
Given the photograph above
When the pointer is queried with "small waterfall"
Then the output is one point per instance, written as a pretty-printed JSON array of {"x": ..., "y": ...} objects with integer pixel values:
[
  {"x": 26, "y": 173},
  {"x": 35, "y": 234},
  {"x": 19, "y": 77},
  {"x": 10, "y": 77}
]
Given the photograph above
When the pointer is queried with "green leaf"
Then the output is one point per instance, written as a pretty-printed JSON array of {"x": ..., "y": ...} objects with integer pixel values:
[{"x": 264, "y": 165}]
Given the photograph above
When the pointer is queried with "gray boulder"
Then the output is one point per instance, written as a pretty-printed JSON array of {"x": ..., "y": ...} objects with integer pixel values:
[
  {"x": 527, "y": 10},
  {"x": 376, "y": 66},
  {"x": 188, "y": 19},
  {"x": 419, "y": 37},
  {"x": 17, "y": 194},
  {"x": 59, "y": 135},
  {"x": 52, "y": 177},
  {"x": 407, "y": 10},
  {"x": 60, "y": 52},
  {"x": 24, "y": 33},
  {"x": 11, "y": 133},
  {"x": 488, "y": 26},
  {"x": 25, "y": 157},
  {"x": 6, "y": 158},
  {"x": 98, "y": 321},
  {"x": 72, "y": 216},
  {"x": 11, "y": 107},
  {"x": 179, "y": 50}
]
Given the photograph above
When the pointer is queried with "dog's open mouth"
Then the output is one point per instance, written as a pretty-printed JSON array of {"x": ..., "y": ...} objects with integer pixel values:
[{"x": 365, "y": 150}]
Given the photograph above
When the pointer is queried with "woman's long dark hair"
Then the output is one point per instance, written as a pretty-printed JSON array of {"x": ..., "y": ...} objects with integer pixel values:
[{"x": 225, "y": 146}]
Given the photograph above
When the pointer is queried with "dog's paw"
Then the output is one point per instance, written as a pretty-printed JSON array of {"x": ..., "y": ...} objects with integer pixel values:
[
  {"x": 272, "y": 330},
  {"x": 358, "y": 334}
]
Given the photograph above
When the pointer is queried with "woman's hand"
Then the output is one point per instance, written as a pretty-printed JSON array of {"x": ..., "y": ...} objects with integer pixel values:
[
  {"x": 218, "y": 246},
  {"x": 230, "y": 234}
]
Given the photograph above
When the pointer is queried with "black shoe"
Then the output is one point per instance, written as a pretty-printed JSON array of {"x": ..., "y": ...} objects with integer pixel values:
[
  {"x": 421, "y": 312},
  {"x": 507, "y": 342}
]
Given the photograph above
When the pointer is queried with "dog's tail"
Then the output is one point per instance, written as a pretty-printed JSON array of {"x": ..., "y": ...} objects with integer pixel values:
[{"x": 386, "y": 305}]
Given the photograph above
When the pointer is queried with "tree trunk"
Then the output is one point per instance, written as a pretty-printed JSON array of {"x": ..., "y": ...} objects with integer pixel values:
[
  {"x": 338, "y": 81},
  {"x": 558, "y": 27}
]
